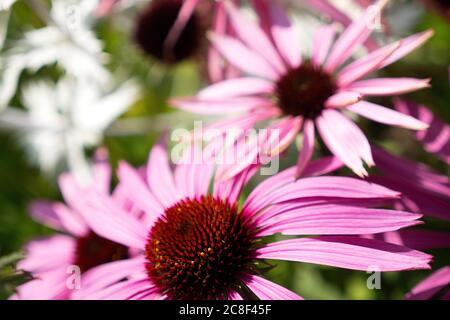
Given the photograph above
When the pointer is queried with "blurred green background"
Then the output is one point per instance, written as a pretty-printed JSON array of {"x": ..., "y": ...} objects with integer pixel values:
[{"x": 20, "y": 182}]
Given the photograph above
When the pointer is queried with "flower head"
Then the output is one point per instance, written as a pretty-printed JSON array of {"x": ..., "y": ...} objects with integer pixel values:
[
  {"x": 196, "y": 244},
  {"x": 52, "y": 260},
  {"x": 306, "y": 94}
]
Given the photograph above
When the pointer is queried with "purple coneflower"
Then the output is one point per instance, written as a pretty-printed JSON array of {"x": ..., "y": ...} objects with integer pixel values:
[
  {"x": 305, "y": 94},
  {"x": 50, "y": 260},
  {"x": 196, "y": 244}
]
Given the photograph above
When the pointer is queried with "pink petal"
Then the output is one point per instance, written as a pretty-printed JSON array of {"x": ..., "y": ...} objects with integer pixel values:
[
  {"x": 47, "y": 254},
  {"x": 284, "y": 35},
  {"x": 388, "y": 86},
  {"x": 326, "y": 8},
  {"x": 347, "y": 252},
  {"x": 138, "y": 192},
  {"x": 437, "y": 138},
  {"x": 337, "y": 220},
  {"x": 431, "y": 285},
  {"x": 123, "y": 290},
  {"x": 267, "y": 290},
  {"x": 353, "y": 37},
  {"x": 345, "y": 140},
  {"x": 102, "y": 171},
  {"x": 235, "y": 296},
  {"x": 307, "y": 150},
  {"x": 58, "y": 216},
  {"x": 192, "y": 174},
  {"x": 184, "y": 15},
  {"x": 343, "y": 99},
  {"x": 242, "y": 57},
  {"x": 231, "y": 189},
  {"x": 109, "y": 221},
  {"x": 220, "y": 106},
  {"x": 331, "y": 187},
  {"x": 407, "y": 45},
  {"x": 103, "y": 276},
  {"x": 281, "y": 135},
  {"x": 322, "y": 42},
  {"x": 415, "y": 239},
  {"x": 258, "y": 198},
  {"x": 365, "y": 65},
  {"x": 236, "y": 88},
  {"x": 160, "y": 178},
  {"x": 387, "y": 116},
  {"x": 254, "y": 37}
]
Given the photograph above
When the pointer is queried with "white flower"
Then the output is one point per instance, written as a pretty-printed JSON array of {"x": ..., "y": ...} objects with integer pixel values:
[
  {"x": 61, "y": 121},
  {"x": 67, "y": 41},
  {"x": 6, "y": 4}
]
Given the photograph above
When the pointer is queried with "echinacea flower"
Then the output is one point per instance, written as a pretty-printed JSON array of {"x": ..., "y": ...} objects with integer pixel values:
[
  {"x": 311, "y": 93},
  {"x": 195, "y": 244},
  {"x": 434, "y": 286},
  {"x": 423, "y": 190},
  {"x": 51, "y": 260}
]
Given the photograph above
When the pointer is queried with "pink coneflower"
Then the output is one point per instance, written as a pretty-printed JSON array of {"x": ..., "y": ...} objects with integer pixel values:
[
  {"x": 200, "y": 245},
  {"x": 436, "y": 139},
  {"x": 311, "y": 93},
  {"x": 49, "y": 260},
  {"x": 434, "y": 286},
  {"x": 423, "y": 190}
]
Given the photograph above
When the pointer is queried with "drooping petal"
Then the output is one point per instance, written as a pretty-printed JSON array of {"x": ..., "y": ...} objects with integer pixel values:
[
  {"x": 347, "y": 252},
  {"x": 345, "y": 140},
  {"x": 407, "y": 45},
  {"x": 332, "y": 187},
  {"x": 124, "y": 290},
  {"x": 267, "y": 290},
  {"x": 431, "y": 285},
  {"x": 307, "y": 148},
  {"x": 387, "y": 116},
  {"x": 343, "y": 99},
  {"x": 258, "y": 198},
  {"x": 337, "y": 220},
  {"x": 388, "y": 86},
  {"x": 365, "y": 65},
  {"x": 103, "y": 276}
]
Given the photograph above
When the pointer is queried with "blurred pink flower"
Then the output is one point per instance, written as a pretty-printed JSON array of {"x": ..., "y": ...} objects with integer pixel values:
[
  {"x": 200, "y": 245},
  {"x": 51, "y": 260},
  {"x": 423, "y": 191},
  {"x": 307, "y": 94},
  {"x": 436, "y": 139},
  {"x": 433, "y": 285}
]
